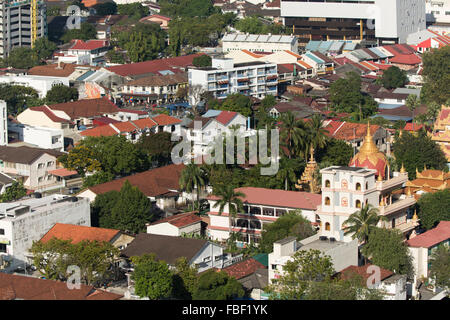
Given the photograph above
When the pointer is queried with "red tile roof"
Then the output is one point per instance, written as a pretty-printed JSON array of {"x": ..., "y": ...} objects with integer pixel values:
[
  {"x": 49, "y": 113},
  {"x": 77, "y": 233},
  {"x": 125, "y": 126},
  {"x": 157, "y": 16},
  {"x": 254, "y": 55},
  {"x": 154, "y": 66},
  {"x": 145, "y": 123},
  {"x": 86, "y": 108},
  {"x": 100, "y": 131},
  {"x": 351, "y": 271},
  {"x": 180, "y": 220},
  {"x": 154, "y": 182},
  {"x": 134, "y": 111},
  {"x": 88, "y": 45},
  {"x": 243, "y": 268},
  {"x": 409, "y": 59},
  {"x": 348, "y": 131},
  {"x": 52, "y": 70},
  {"x": 164, "y": 120},
  {"x": 14, "y": 286},
  {"x": 409, "y": 127},
  {"x": 431, "y": 237},
  {"x": 278, "y": 198},
  {"x": 63, "y": 172},
  {"x": 226, "y": 116}
]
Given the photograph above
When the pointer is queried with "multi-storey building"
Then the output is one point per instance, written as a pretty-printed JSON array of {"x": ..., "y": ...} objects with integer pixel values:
[
  {"x": 224, "y": 77},
  {"x": 438, "y": 11},
  {"x": 23, "y": 222},
  {"x": 385, "y": 20},
  {"x": 345, "y": 190},
  {"x": 259, "y": 42},
  {"x": 15, "y": 24}
]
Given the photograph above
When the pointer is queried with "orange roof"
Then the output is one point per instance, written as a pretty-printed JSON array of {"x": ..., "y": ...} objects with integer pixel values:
[
  {"x": 180, "y": 220},
  {"x": 124, "y": 126},
  {"x": 100, "y": 131},
  {"x": 244, "y": 268},
  {"x": 79, "y": 233},
  {"x": 351, "y": 271},
  {"x": 63, "y": 172},
  {"x": 293, "y": 54},
  {"x": 254, "y": 55},
  {"x": 164, "y": 120},
  {"x": 431, "y": 237},
  {"x": 145, "y": 123},
  {"x": 304, "y": 64}
]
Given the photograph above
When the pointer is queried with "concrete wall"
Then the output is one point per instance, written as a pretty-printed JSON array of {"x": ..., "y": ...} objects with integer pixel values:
[{"x": 215, "y": 254}]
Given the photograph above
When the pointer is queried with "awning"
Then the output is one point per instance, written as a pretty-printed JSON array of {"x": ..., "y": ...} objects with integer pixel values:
[{"x": 63, "y": 172}]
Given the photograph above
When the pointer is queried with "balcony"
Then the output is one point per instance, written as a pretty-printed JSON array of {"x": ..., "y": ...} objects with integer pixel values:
[
  {"x": 393, "y": 182},
  {"x": 396, "y": 206}
]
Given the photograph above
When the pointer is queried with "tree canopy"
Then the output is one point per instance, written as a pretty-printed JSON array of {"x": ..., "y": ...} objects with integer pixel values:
[
  {"x": 18, "y": 98},
  {"x": 14, "y": 192},
  {"x": 152, "y": 278},
  {"x": 440, "y": 266},
  {"x": 106, "y": 8},
  {"x": 22, "y": 58},
  {"x": 213, "y": 285},
  {"x": 202, "y": 61},
  {"x": 237, "y": 102},
  {"x": 60, "y": 93},
  {"x": 85, "y": 32},
  {"x": 187, "y": 8},
  {"x": 433, "y": 208},
  {"x": 336, "y": 152},
  {"x": 415, "y": 152},
  {"x": 157, "y": 146},
  {"x": 134, "y": 10},
  {"x": 254, "y": 25},
  {"x": 436, "y": 87},
  {"x": 290, "y": 224},
  {"x": 393, "y": 78},
  {"x": 385, "y": 248}
]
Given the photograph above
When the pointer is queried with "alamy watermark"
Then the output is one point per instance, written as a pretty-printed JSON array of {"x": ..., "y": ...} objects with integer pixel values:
[
  {"x": 74, "y": 17},
  {"x": 192, "y": 149}
]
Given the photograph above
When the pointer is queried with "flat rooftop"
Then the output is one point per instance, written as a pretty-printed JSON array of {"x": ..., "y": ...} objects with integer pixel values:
[
  {"x": 322, "y": 245},
  {"x": 353, "y": 169}
]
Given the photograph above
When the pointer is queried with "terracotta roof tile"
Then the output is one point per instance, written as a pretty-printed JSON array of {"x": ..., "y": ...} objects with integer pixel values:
[
  {"x": 79, "y": 233},
  {"x": 86, "y": 108},
  {"x": 164, "y": 120},
  {"x": 100, "y": 131},
  {"x": 410, "y": 59},
  {"x": 88, "y": 45},
  {"x": 431, "y": 237},
  {"x": 225, "y": 117},
  {"x": 278, "y": 198},
  {"x": 243, "y": 268},
  {"x": 145, "y": 123},
  {"x": 351, "y": 271},
  {"x": 52, "y": 70},
  {"x": 180, "y": 220}
]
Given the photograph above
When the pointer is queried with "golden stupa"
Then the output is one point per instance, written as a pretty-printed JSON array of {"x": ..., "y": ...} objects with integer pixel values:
[
  {"x": 369, "y": 156},
  {"x": 308, "y": 177}
]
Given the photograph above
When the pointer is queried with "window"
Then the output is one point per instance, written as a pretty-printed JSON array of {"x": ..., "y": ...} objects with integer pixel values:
[
  {"x": 358, "y": 186},
  {"x": 327, "y": 226},
  {"x": 268, "y": 211},
  {"x": 255, "y": 224},
  {"x": 327, "y": 184},
  {"x": 358, "y": 203},
  {"x": 274, "y": 267},
  {"x": 367, "y": 186},
  {"x": 2, "y": 232},
  {"x": 207, "y": 259},
  {"x": 327, "y": 201},
  {"x": 2, "y": 248},
  {"x": 280, "y": 212}
]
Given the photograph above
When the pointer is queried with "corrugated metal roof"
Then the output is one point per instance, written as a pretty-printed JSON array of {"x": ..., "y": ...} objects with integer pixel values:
[{"x": 313, "y": 45}]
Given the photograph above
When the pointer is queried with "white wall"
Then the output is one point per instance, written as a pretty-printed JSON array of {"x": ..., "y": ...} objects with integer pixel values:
[
  {"x": 212, "y": 251},
  {"x": 42, "y": 84},
  {"x": 46, "y": 138}
]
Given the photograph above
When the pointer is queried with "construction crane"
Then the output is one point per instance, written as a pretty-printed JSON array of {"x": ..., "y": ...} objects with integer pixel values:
[{"x": 34, "y": 21}]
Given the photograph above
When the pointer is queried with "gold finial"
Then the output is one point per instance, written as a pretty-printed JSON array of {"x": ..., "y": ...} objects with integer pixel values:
[
  {"x": 417, "y": 171},
  {"x": 311, "y": 152},
  {"x": 424, "y": 166},
  {"x": 400, "y": 133},
  {"x": 408, "y": 192},
  {"x": 380, "y": 178},
  {"x": 402, "y": 169},
  {"x": 415, "y": 217},
  {"x": 382, "y": 204}
]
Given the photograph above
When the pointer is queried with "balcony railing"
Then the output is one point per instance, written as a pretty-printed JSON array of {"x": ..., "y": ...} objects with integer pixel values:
[{"x": 396, "y": 206}]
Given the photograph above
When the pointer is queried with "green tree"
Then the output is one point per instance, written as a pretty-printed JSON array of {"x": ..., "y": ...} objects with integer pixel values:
[
  {"x": 393, "y": 78},
  {"x": 305, "y": 267},
  {"x": 187, "y": 8},
  {"x": 131, "y": 211},
  {"x": 184, "y": 279},
  {"x": 433, "y": 208},
  {"x": 51, "y": 258},
  {"x": 412, "y": 102},
  {"x": 415, "y": 152},
  {"x": 436, "y": 87},
  {"x": 106, "y": 8},
  {"x": 213, "y": 285},
  {"x": 229, "y": 197},
  {"x": 157, "y": 146},
  {"x": 293, "y": 135},
  {"x": 135, "y": 10},
  {"x": 44, "y": 48},
  {"x": 102, "y": 207},
  {"x": 289, "y": 224},
  {"x": 85, "y": 32},
  {"x": 255, "y": 25},
  {"x": 17, "y": 98},
  {"x": 238, "y": 103},
  {"x": 385, "y": 248},
  {"x": 152, "y": 278},
  {"x": 22, "y": 58},
  {"x": 440, "y": 266},
  {"x": 316, "y": 133},
  {"x": 202, "y": 61},
  {"x": 336, "y": 152},
  {"x": 60, "y": 93},
  {"x": 97, "y": 178},
  {"x": 193, "y": 177},
  {"x": 287, "y": 172},
  {"x": 14, "y": 192},
  {"x": 114, "y": 56},
  {"x": 360, "y": 223},
  {"x": 82, "y": 159}
]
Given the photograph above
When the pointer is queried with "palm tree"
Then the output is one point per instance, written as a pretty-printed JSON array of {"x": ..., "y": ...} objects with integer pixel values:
[
  {"x": 229, "y": 197},
  {"x": 193, "y": 177},
  {"x": 286, "y": 173},
  {"x": 293, "y": 132},
  {"x": 412, "y": 102},
  {"x": 360, "y": 223},
  {"x": 317, "y": 133}
]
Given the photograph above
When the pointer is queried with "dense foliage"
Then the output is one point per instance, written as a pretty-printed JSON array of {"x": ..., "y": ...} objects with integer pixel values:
[
  {"x": 433, "y": 208},
  {"x": 415, "y": 152},
  {"x": 254, "y": 25},
  {"x": 213, "y": 285},
  {"x": 18, "y": 98},
  {"x": 85, "y": 32},
  {"x": 440, "y": 266},
  {"x": 393, "y": 78},
  {"x": 436, "y": 87},
  {"x": 60, "y": 93},
  {"x": 13, "y": 192}
]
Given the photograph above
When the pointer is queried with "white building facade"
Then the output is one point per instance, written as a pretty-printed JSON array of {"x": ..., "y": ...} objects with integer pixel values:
[
  {"x": 23, "y": 222},
  {"x": 42, "y": 84},
  {"x": 256, "y": 79},
  {"x": 438, "y": 11},
  {"x": 259, "y": 42},
  {"x": 46, "y": 138}
]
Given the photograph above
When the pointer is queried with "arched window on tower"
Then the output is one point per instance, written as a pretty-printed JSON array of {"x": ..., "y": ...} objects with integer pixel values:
[
  {"x": 358, "y": 186},
  {"x": 358, "y": 203},
  {"x": 327, "y": 201},
  {"x": 327, "y": 183},
  {"x": 367, "y": 186},
  {"x": 327, "y": 226}
]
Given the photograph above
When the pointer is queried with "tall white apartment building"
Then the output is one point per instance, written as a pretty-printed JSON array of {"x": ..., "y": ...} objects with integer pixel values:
[
  {"x": 23, "y": 222},
  {"x": 3, "y": 123},
  {"x": 387, "y": 21},
  {"x": 224, "y": 77},
  {"x": 438, "y": 11},
  {"x": 15, "y": 24},
  {"x": 259, "y": 42}
]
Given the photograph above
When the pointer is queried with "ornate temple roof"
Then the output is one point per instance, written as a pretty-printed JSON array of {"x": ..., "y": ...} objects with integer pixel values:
[{"x": 369, "y": 156}]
